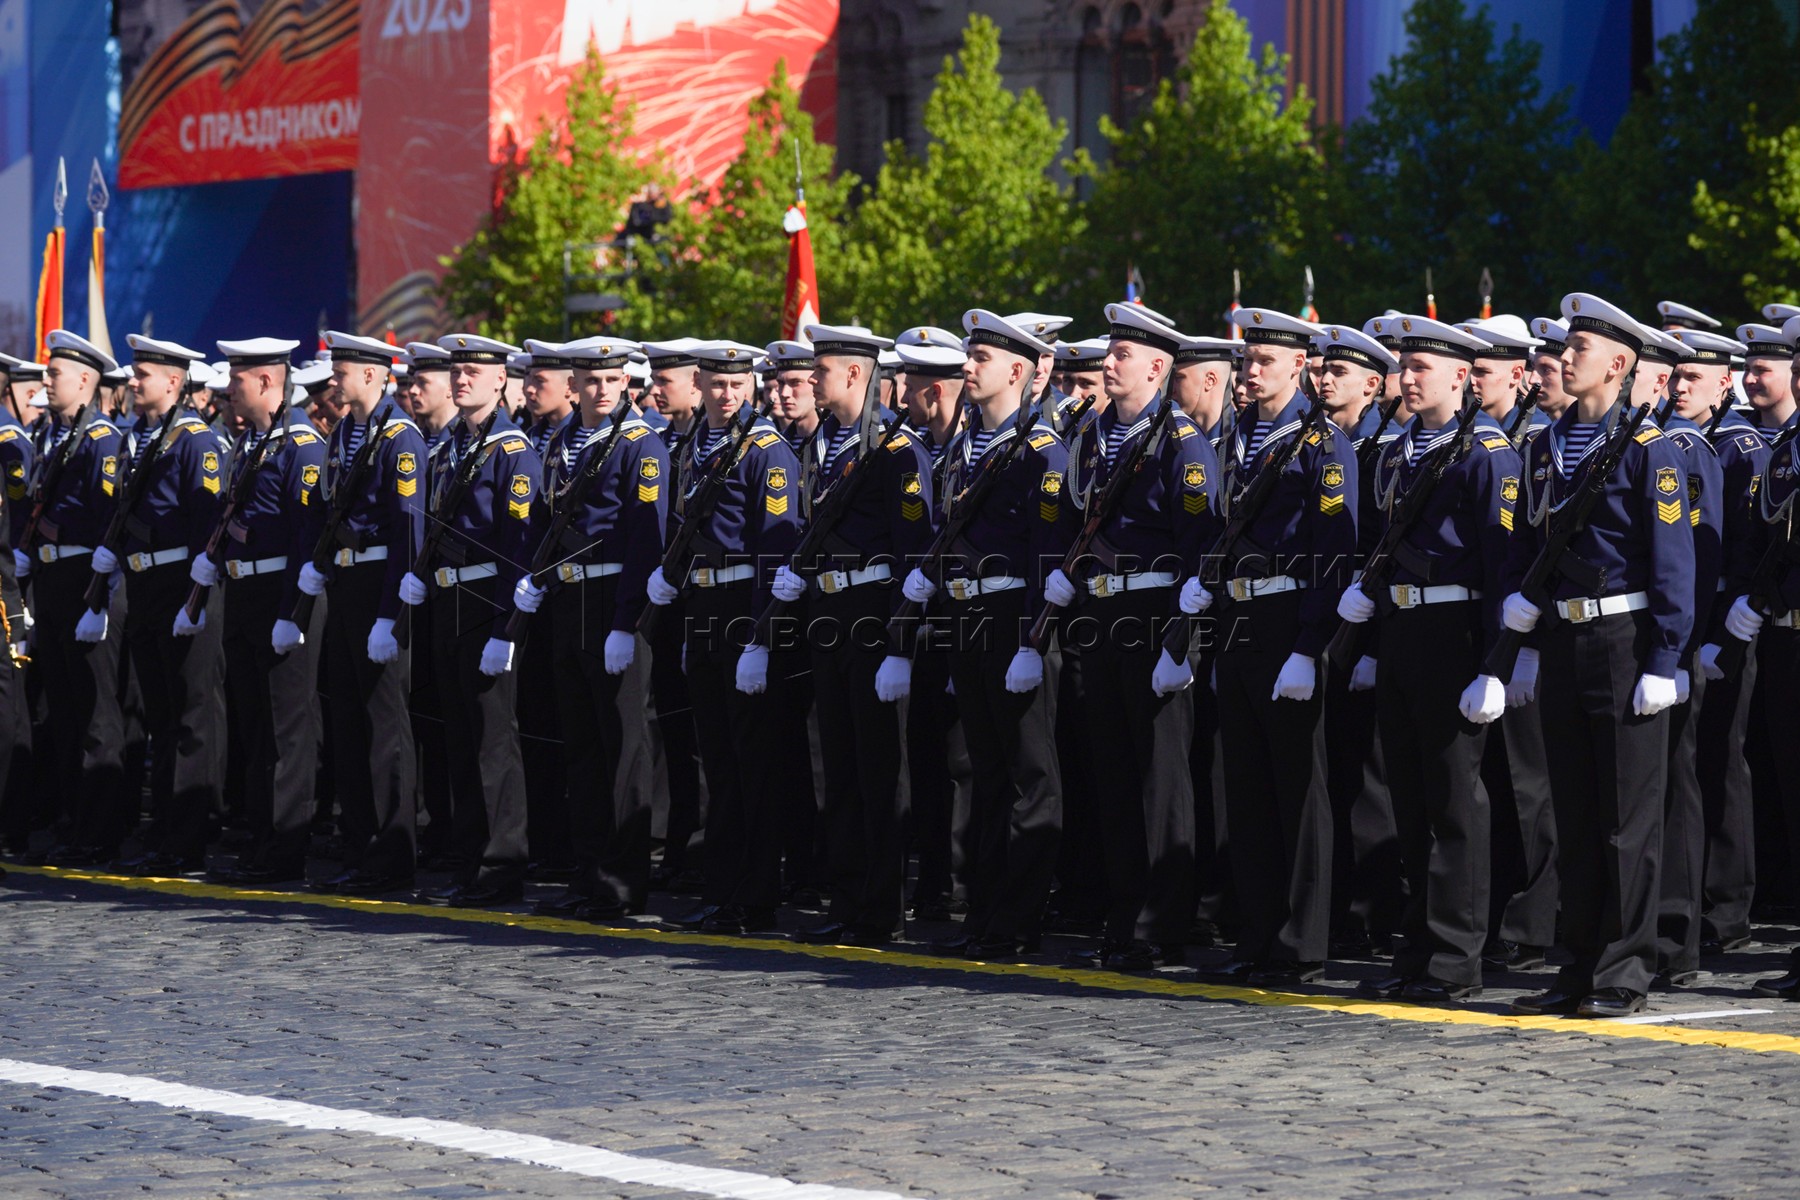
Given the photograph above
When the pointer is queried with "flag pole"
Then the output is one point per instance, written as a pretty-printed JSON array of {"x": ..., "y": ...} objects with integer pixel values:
[{"x": 97, "y": 198}]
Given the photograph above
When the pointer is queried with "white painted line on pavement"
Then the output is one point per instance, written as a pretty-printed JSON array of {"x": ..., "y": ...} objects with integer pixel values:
[
  {"x": 1663, "y": 1018},
  {"x": 451, "y": 1135}
]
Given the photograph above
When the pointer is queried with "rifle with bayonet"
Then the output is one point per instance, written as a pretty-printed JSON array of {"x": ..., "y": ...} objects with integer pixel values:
[
  {"x": 567, "y": 506},
  {"x": 99, "y": 588},
  {"x": 1764, "y": 592},
  {"x": 49, "y": 474},
  {"x": 235, "y": 500},
  {"x": 443, "y": 507},
  {"x": 345, "y": 493},
  {"x": 1383, "y": 561},
  {"x": 1519, "y": 426},
  {"x": 1565, "y": 523},
  {"x": 678, "y": 558},
  {"x": 1370, "y": 450}
]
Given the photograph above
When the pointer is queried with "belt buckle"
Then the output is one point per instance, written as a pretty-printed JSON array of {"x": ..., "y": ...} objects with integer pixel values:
[
  {"x": 703, "y": 577},
  {"x": 959, "y": 589},
  {"x": 1101, "y": 586},
  {"x": 445, "y": 576},
  {"x": 1407, "y": 595},
  {"x": 569, "y": 572},
  {"x": 831, "y": 582},
  {"x": 1580, "y": 610},
  {"x": 47, "y": 554},
  {"x": 234, "y": 568},
  {"x": 345, "y": 557},
  {"x": 1241, "y": 588},
  {"x": 140, "y": 561}
]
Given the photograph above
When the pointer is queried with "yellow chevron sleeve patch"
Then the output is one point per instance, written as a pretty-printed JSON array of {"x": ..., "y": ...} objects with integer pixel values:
[
  {"x": 1047, "y": 511},
  {"x": 776, "y": 506},
  {"x": 1195, "y": 503},
  {"x": 519, "y": 508},
  {"x": 1668, "y": 511},
  {"x": 210, "y": 483},
  {"x": 1694, "y": 516},
  {"x": 1331, "y": 506},
  {"x": 407, "y": 487},
  {"x": 647, "y": 492},
  {"x": 912, "y": 510},
  {"x": 1506, "y": 519}
]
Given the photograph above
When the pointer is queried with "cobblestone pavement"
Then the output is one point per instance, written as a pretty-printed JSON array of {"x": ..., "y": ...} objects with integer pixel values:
[{"x": 845, "y": 1068}]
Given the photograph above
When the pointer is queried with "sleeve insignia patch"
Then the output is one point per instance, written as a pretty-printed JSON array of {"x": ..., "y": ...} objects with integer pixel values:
[
  {"x": 309, "y": 476},
  {"x": 910, "y": 485},
  {"x": 210, "y": 483},
  {"x": 1666, "y": 481},
  {"x": 1333, "y": 476},
  {"x": 1509, "y": 490},
  {"x": 1506, "y": 519},
  {"x": 521, "y": 485},
  {"x": 1195, "y": 475},
  {"x": 647, "y": 492},
  {"x": 1668, "y": 511},
  {"x": 519, "y": 508},
  {"x": 407, "y": 487},
  {"x": 1047, "y": 512},
  {"x": 406, "y": 464},
  {"x": 650, "y": 468},
  {"x": 1053, "y": 483},
  {"x": 777, "y": 481},
  {"x": 1195, "y": 504},
  {"x": 1331, "y": 506},
  {"x": 209, "y": 461},
  {"x": 776, "y": 506},
  {"x": 109, "y": 465}
]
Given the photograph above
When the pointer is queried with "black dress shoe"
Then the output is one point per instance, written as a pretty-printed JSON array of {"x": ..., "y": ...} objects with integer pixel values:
[
  {"x": 695, "y": 918},
  {"x": 1352, "y": 945},
  {"x": 487, "y": 893},
  {"x": 170, "y": 865},
  {"x": 1513, "y": 956},
  {"x": 447, "y": 894},
  {"x": 1001, "y": 949},
  {"x": 1236, "y": 971},
  {"x": 1437, "y": 991},
  {"x": 368, "y": 883},
  {"x": 1389, "y": 987},
  {"x": 1612, "y": 1002},
  {"x": 566, "y": 904},
  {"x": 331, "y": 883},
  {"x": 1119, "y": 956},
  {"x": 1674, "y": 978},
  {"x": 605, "y": 911},
  {"x": 78, "y": 856},
  {"x": 868, "y": 936},
  {"x": 733, "y": 919},
  {"x": 827, "y": 933},
  {"x": 552, "y": 872},
  {"x": 1779, "y": 987},
  {"x": 441, "y": 860},
  {"x": 953, "y": 947},
  {"x": 931, "y": 908},
  {"x": 1548, "y": 1003},
  {"x": 259, "y": 873},
  {"x": 1287, "y": 974},
  {"x": 1724, "y": 945}
]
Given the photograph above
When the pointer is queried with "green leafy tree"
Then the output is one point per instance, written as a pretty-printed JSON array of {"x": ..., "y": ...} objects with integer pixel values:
[
  {"x": 726, "y": 266},
  {"x": 978, "y": 219},
  {"x": 1695, "y": 126},
  {"x": 1458, "y": 165},
  {"x": 1216, "y": 173},
  {"x": 574, "y": 184},
  {"x": 1753, "y": 227}
]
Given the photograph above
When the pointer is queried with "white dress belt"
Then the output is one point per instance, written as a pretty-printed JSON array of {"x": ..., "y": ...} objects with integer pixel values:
[
  {"x": 963, "y": 588},
  {"x": 451, "y": 576},
  {"x": 578, "y": 572},
  {"x": 144, "y": 560},
  {"x": 350, "y": 558},
  {"x": 1579, "y": 610},
  {"x": 707, "y": 577},
  {"x": 1135, "y": 581},
  {"x": 50, "y": 554},
  {"x": 243, "y": 568},
  {"x": 832, "y": 582},
  {"x": 1247, "y": 588},
  {"x": 1411, "y": 595}
]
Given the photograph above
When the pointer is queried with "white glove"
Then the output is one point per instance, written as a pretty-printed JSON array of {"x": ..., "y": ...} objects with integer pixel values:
[
  {"x": 787, "y": 586},
  {"x": 1169, "y": 675},
  {"x": 1522, "y": 689},
  {"x": 528, "y": 597},
  {"x": 620, "y": 650},
  {"x": 1194, "y": 598},
  {"x": 1483, "y": 700},
  {"x": 412, "y": 589},
  {"x": 1299, "y": 675},
  {"x": 1652, "y": 694},
  {"x": 1354, "y": 605},
  {"x": 753, "y": 670},
  {"x": 105, "y": 561},
  {"x": 1742, "y": 621},
  {"x": 1025, "y": 671},
  {"x": 202, "y": 570},
  {"x": 496, "y": 657},
  {"x": 383, "y": 647},
  {"x": 893, "y": 679},
  {"x": 1709, "y": 662},
  {"x": 1519, "y": 614},
  {"x": 311, "y": 582},
  {"x": 1058, "y": 590},
  {"x": 285, "y": 636},
  {"x": 21, "y": 563},
  {"x": 1684, "y": 685},
  {"x": 916, "y": 587},
  {"x": 1362, "y": 675},
  {"x": 661, "y": 592},
  {"x": 91, "y": 627},
  {"x": 186, "y": 628}
]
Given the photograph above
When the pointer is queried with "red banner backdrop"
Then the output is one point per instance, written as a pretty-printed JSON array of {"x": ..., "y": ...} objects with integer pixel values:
[{"x": 219, "y": 98}]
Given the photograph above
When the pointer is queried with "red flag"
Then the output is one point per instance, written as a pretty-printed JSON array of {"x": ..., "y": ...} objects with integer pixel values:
[
  {"x": 50, "y": 292},
  {"x": 800, "y": 304}
]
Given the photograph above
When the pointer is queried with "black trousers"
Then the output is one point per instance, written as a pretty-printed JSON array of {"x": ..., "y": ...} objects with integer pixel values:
[
  {"x": 81, "y": 690},
  {"x": 540, "y": 742},
  {"x": 1433, "y": 759},
  {"x": 737, "y": 735},
  {"x": 1368, "y": 885},
  {"x": 680, "y": 776},
  {"x": 1683, "y": 873},
  {"x": 1215, "y": 898},
  {"x": 606, "y": 743},
  {"x": 481, "y": 732},
  {"x": 942, "y": 780},
  {"x": 17, "y": 768},
  {"x": 182, "y": 680},
  {"x": 1080, "y": 864},
  {"x": 1015, "y": 811},
  {"x": 1146, "y": 802},
  {"x": 275, "y": 697},
  {"x": 425, "y": 702},
  {"x": 1608, "y": 770},
  {"x": 373, "y": 763},
  {"x": 1727, "y": 799},
  {"x": 863, "y": 741},
  {"x": 1277, "y": 804},
  {"x": 1522, "y": 905}
]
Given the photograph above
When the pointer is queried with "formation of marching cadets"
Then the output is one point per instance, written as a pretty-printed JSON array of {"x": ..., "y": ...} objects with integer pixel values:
[{"x": 1325, "y": 641}]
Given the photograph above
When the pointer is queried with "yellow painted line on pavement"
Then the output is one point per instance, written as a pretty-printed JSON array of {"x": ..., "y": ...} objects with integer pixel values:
[{"x": 1108, "y": 981}]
